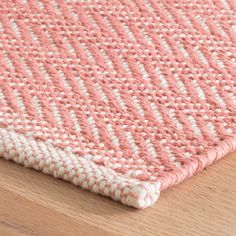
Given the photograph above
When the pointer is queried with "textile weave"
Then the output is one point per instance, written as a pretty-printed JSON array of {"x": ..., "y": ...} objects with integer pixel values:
[{"x": 121, "y": 97}]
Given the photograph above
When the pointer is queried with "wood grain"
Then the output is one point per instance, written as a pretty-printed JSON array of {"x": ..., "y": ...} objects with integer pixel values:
[{"x": 32, "y": 203}]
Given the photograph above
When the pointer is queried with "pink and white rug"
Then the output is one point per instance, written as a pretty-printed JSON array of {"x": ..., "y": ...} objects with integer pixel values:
[{"x": 122, "y": 97}]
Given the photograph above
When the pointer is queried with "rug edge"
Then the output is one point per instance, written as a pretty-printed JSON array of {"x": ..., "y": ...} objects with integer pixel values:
[
  {"x": 81, "y": 172},
  {"x": 193, "y": 166},
  {"x": 44, "y": 157}
]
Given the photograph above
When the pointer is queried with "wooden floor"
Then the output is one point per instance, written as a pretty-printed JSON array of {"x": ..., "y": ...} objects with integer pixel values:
[{"x": 32, "y": 203}]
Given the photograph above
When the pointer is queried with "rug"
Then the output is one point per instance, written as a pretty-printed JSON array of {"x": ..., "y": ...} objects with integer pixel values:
[{"x": 125, "y": 98}]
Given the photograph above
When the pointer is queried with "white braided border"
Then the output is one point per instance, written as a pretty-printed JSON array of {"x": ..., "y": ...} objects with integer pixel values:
[{"x": 80, "y": 171}]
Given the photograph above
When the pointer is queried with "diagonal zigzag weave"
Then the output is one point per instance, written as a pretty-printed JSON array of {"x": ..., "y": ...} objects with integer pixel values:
[{"x": 122, "y": 97}]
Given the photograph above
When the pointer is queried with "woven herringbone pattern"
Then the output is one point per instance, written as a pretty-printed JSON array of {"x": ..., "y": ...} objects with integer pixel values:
[{"x": 122, "y": 97}]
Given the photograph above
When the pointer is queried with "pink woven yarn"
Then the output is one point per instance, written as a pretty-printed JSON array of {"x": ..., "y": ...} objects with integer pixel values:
[{"x": 122, "y": 97}]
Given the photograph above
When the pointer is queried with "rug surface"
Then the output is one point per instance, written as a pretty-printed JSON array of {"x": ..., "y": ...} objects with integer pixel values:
[{"x": 121, "y": 97}]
